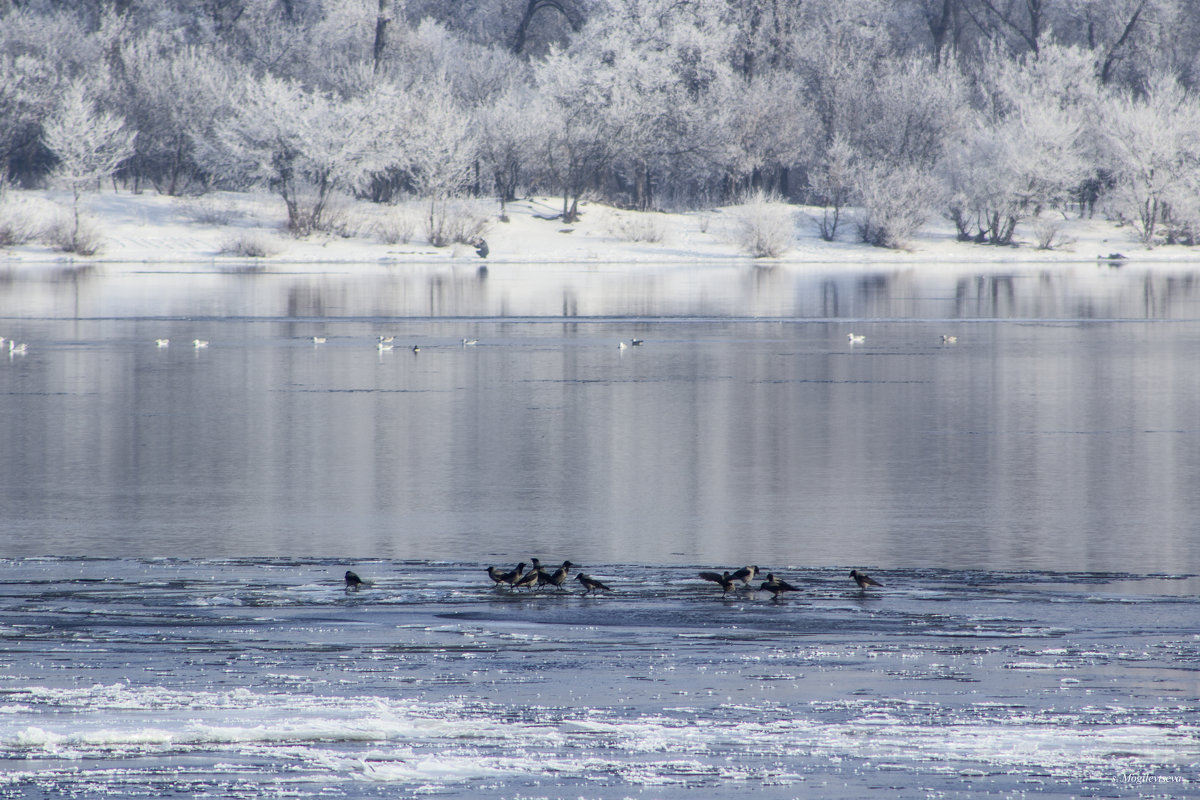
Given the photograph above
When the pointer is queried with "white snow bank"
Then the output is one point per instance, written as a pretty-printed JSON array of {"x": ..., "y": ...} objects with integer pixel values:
[{"x": 148, "y": 228}]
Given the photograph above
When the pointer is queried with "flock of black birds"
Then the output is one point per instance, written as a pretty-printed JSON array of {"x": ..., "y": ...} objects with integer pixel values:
[
  {"x": 728, "y": 581},
  {"x": 539, "y": 578}
]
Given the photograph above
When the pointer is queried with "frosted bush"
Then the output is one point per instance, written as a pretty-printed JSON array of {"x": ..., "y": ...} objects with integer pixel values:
[
  {"x": 638, "y": 227},
  {"x": 764, "y": 226},
  {"x": 398, "y": 226},
  {"x": 17, "y": 224},
  {"x": 1048, "y": 234},
  {"x": 455, "y": 221},
  {"x": 895, "y": 204},
  {"x": 70, "y": 233},
  {"x": 247, "y": 244}
]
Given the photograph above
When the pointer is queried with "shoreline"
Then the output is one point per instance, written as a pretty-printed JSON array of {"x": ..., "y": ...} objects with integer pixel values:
[{"x": 149, "y": 229}]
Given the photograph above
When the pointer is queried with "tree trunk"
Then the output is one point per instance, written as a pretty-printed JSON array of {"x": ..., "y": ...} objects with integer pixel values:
[
  {"x": 531, "y": 8},
  {"x": 381, "y": 23}
]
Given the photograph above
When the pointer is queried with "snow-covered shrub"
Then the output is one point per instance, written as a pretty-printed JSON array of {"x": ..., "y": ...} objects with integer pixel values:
[
  {"x": 17, "y": 225},
  {"x": 638, "y": 227},
  {"x": 247, "y": 244},
  {"x": 895, "y": 203},
  {"x": 72, "y": 233},
  {"x": 1048, "y": 233},
  {"x": 398, "y": 226},
  {"x": 764, "y": 225},
  {"x": 455, "y": 221}
]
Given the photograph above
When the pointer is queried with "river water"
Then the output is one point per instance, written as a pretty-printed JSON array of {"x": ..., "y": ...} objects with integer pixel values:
[{"x": 176, "y": 522}]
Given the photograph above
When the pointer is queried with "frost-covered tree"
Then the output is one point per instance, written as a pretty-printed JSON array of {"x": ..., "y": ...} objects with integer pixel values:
[
  {"x": 40, "y": 53},
  {"x": 88, "y": 144},
  {"x": 507, "y": 141},
  {"x": 1026, "y": 150},
  {"x": 832, "y": 182},
  {"x": 172, "y": 95},
  {"x": 305, "y": 145},
  {"x": 440, "y": 152},
  {"x": 768, "y": 129},
  {"x": 575, "y": 145},
  {"x": 1152, "y": 149},
  {"x": 896, "y": 126},
  {"x": 25, "y": 99},
  {"x": 662, "y": 68}
]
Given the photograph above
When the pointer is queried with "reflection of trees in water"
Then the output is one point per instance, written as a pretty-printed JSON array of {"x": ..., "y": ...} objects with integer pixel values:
[
  {"x": 305, "y": 300},
  {"x": 1161, "y": 292},
  {"x": 829, "y": 298},
  {"x": 1056, "y": 292},
  {"x": 985, "y": 296},
  {"x": 434, "y": 295},
  {"x": 1060, "y": 293}
]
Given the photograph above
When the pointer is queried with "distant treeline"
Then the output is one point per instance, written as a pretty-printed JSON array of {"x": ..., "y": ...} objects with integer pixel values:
[{"x": 992, "y": 113}]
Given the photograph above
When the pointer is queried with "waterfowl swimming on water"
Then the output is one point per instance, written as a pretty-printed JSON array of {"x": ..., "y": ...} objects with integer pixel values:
[
  {"x": 416, "y": 348},
  {"x": 318, "y": 340},
  {"x": 776, "y": 586},
  {"x": 590, "y": 584},
  {"x": 725, "y": 580},
  {"x": 199, "y": 343},
  {"x": 856, "y": 338},
  {"x": 353, "y": 581},
  {"x": 949, "y": 339},
  {"x": 15, "y": 349},
  {"x": 162, "y": 342},
  {"x": 469, "y": 342},
  {"x": 637, "y": 342},
  {"x": 863, "y": 579},
  {"x": 560, "y": 576}
]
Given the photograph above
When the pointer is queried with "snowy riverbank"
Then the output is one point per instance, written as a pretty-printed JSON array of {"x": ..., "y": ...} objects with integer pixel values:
[{"x": 217, "y": 229}]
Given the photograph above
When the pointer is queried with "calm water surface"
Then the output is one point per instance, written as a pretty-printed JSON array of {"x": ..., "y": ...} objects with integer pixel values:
[
  {"x": 175, "y": 523},
  {"x": 1061, "y": 431}
]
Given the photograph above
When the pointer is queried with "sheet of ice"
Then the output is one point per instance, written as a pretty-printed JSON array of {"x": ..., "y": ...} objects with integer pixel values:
[{"x": 118, "y": 683}]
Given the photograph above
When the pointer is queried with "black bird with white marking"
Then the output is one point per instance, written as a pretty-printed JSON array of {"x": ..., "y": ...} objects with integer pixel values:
[
  {"x": 745, "y": 575},
  {"x": 535, "y": 576},
  {"x": 776, "y": 586},
  {"x": 506, "y": 578},
  {"x": 723, "y": 579},
  {"x": 863, "y": 579},
  {"x": 559, "y": 577},
  {"x": 514, "y": 574},
  {"x": 590, "y": 584}
]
